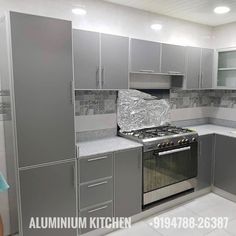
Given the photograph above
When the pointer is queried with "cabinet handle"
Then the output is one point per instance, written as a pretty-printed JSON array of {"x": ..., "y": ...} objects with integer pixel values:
[
  {"x": 74, "y": 177},
  {"x": 72, "y": 92},
  {"x": 98, "y": 209},
  {"x": 97, "y": 158},
  {"x": 97, "y": 77},
  {"x": 201, "y": 80},
  {"x": 97, "y": 184},
  {"x": 147, "y": 71},
  {"x": 103, "y": 77}
]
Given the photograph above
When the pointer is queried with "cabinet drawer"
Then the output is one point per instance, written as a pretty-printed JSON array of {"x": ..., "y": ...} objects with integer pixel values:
[
  {"x": 95, "y": 167},
  {"x": 103, "y": 210},
  {"x": 96, "y": 193}
]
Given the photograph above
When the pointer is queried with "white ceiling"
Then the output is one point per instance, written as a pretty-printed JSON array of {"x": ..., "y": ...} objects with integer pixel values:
[{"x": 199, "y": 11}]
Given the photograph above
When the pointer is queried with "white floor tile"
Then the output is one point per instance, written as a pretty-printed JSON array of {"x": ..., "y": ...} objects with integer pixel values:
[
  {"x": 138, "y": 229},
  {"x": 231, "y": 227},
  {"x": 218, "y": 233}
]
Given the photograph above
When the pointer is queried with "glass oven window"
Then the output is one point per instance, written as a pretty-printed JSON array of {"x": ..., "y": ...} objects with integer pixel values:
[{"x": 163, "y": 168}]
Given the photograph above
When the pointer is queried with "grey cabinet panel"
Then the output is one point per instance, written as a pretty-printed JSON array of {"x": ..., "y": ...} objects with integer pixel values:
[
  {"x": 95, "y": 167},
  {"x": 145, "y": 55},
  {"x": 48, "y": 192},
  {"x": 193, "y": 67},
  {"x": 128, "y": 183},
  {"x": 207, "y": 68},
  {"x": 114, "y": 61},
  {"x": 103, "y": 210},
  {"x": 173, "y": 58},
  {"x": 96, "y": 192},
  {"x": 86, "y": 59},
  {"x": 205, "y": 161},
  {"x": 225, "y": 162},
  {"x": 42, "y": 65}
]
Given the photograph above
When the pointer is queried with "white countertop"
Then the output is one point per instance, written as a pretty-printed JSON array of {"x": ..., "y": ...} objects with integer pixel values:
[
  {"x": 214, "y": 129},
  {"x": 105, "y": 145}
]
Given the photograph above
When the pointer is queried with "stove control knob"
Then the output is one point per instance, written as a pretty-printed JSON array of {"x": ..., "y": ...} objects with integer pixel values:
[
  {"x": 186, "y": 140},
  {"x": 183, "y": 140},
  {"x": 159, "y": 145},
  {"x": 193, "y": 139},
  {"x": 179, "y": 142},
  {"x": 167, "y": 144},
  {"x": 171, "y": 143},
  {"x": 163, "y": 144}
]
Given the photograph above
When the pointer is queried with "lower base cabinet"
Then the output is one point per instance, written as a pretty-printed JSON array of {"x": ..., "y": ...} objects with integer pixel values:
[
  {"x": 225, "y": 163},
  {"x": 205, "y": 161},
  {"x": 127, "y": 182},
  {"x": 48, "y": 191}
]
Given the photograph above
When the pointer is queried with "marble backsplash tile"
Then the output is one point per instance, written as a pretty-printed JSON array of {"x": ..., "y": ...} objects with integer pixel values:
[{"x": 89, "y": 102}]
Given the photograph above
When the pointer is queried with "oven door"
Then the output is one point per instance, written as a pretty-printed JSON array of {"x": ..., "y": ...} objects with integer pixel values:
[{"x": 162, "y": 168}]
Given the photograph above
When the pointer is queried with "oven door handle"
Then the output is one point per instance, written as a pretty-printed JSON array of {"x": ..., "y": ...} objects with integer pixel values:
[{"x": 174, "y": 151}]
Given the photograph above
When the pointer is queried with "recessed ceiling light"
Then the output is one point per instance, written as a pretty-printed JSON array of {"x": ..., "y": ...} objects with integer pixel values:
[
  {"x": 221, "y": 10},
  {"x": 79, "y": 11},
  {"x": 156, "y": 26}
]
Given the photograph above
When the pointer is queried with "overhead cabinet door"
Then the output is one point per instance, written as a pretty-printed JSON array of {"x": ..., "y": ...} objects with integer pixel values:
[
  {"x": 145, "y": 56},
  {"x": 207, "y": 68},
  {"x": 114, "y": 61},
  {"x": 43, "y": 73},
  {"x": 48, "y": 192},
  {"x": 193, "y": 67},
  {"x": 173, "y": 59},
  {"x": 86, "y": 59}
]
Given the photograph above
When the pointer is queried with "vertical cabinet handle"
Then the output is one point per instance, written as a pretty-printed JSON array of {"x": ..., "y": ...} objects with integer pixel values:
[
  {"x": 201, "y": 80},
  {"x": 72, "y": 92},
  {"x": 103, "y": 76},
  {"x": 74, "y": 177},
  {"x": 97, "y": 77}
]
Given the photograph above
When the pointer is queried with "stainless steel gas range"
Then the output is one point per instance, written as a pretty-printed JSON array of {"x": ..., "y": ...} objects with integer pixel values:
[{"x": 170, "y": 160}]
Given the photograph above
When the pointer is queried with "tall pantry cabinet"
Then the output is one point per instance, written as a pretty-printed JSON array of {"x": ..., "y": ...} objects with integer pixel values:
[{"x": 37, "y": 71}]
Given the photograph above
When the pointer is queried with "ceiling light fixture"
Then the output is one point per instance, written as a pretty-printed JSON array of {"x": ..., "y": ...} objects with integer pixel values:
[
  {"x": 156, "y": 26},
  {"x": 79, "y": 11},
  {"x": 221, "y": 10}
]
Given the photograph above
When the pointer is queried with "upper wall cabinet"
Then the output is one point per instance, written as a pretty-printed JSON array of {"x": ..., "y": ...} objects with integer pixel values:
[
  {"x": 193, "y": 68},
  {"x": 199, "y": 72},
  {"x": 114, "y": 62},
  {"x": 145, "y": 56},
  {"x": 173, "y": 59},
  {"x": 100, "y": 61},
  {"x": 86, "y": 59},
  {"x": 207, "y": 68}
]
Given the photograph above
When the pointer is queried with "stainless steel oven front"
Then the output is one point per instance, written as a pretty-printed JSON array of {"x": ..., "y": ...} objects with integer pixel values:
[{"x": 169, "y": 171}]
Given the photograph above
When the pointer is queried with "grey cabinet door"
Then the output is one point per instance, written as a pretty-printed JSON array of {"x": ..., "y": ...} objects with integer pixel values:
[
  {"x": 205, "y": 161},
  {"x": 48, "y": 192},
  {"x": 173, "y": 58},
  {"x": 86, "y": 59},
  {"x": 207, "y": 68},
  {"x": 127, "y": 183},
  {"x": 43, "y": 72},
  {"x": 225, "y": 162},
  {"x": 193, "y": 68},
  {"x": 145, "y": 55},
  {"x": 114, "y": 61}
]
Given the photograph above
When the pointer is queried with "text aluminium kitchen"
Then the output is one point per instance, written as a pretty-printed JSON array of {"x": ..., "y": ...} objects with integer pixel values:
[{"x": 170, "y": 160}]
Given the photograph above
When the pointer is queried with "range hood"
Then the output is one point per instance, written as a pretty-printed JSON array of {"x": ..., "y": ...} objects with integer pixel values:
[{"x": 143, "y": 80}]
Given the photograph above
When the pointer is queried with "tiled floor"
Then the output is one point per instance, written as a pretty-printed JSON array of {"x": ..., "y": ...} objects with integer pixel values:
[{"x": 210, "y": 205}]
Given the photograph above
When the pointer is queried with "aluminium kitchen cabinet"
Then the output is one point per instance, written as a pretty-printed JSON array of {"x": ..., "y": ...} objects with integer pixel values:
[
  {"x": 48, "y": 192},
  {"x": 114, "y": 62},
  {"x": 193, "y": 67},
  {"x": 207, "y": 68},
  {"x": 205, "y": 161},
  {"x": 101, "y": 61},
  {"x": 173, "y": 59},
  {"x": 86, "y": 48},
  {"x": 145, "y": 56},
  {"x": 38, "y": 78},
  {"x": 127, "y": 182},
  {"x": 225, "y": 163}
]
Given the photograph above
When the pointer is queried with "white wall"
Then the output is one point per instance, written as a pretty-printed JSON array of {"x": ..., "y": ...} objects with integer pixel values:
[
  {"x": 115, "y": 19},
  {"x": 225, "y": 36}
]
